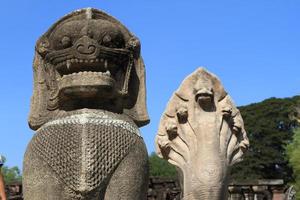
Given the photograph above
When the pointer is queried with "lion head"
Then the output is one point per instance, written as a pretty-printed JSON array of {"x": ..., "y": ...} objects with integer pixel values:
[{"x": 88, "y": 59}]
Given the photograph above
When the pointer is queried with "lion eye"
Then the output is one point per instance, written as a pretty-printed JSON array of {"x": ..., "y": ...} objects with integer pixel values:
[
  {"x": 66, "y": 42},
  {"x": 106, "y": 41}
]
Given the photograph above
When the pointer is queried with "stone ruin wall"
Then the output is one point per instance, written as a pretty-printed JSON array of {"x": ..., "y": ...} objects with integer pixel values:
[{"x": 169, "y": 189}]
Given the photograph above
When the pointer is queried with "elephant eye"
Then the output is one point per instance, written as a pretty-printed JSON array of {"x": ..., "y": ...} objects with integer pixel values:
[{"x": 66, "y": 42}]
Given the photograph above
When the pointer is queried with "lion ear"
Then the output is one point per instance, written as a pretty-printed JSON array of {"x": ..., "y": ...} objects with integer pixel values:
[
  {"x": 42, "y": 45},
  {"x": 136, "y": 106},
  {"x": 38, "y": 109}
]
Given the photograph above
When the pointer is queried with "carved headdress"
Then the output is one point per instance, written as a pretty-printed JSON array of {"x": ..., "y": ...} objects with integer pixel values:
[{"x": 87, "y": 56}]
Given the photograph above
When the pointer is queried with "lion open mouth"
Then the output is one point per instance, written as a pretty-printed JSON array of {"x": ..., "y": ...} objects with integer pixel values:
[
  {"x": 77, "y": 67},
  {"x": 87, "y": 77},
  {"x": 89, "y": 63}
]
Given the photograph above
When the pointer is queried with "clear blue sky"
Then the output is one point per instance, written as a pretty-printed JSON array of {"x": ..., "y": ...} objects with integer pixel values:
[{"x": 253, "y": 46}]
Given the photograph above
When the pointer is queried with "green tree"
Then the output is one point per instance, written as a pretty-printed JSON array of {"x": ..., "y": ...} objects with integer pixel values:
[
  {"x": 293, "y": 152},
  {"x": 270, "y": 128},
  {"x": 11, "y": 174},
  {"x": 161, "y": 168}
]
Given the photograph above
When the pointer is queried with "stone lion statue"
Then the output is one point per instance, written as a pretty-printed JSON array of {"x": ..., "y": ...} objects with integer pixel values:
[{"x": 87, "y": 104}]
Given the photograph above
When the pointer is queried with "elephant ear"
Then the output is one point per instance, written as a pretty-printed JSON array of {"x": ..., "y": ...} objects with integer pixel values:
[
  {"x": 39, "y": 114},
  {"x": 135, "y": 103}
]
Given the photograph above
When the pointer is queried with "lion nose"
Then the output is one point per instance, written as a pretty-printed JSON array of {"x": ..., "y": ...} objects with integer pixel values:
[{"x": 86, "y": 45}]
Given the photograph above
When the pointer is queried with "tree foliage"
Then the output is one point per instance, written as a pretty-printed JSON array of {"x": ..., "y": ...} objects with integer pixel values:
[
  {"x": 293, "y": 152},
  {"x": 11, "y": 174},
  {"x": 160, "y": 167},
  {"x": 270, "y": 128}
]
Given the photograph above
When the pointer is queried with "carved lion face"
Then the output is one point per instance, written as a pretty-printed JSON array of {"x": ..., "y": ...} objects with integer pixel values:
[{"x": 89, "y": 60}]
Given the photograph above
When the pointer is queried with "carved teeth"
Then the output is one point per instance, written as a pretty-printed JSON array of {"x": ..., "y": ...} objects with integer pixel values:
[
  {"x": 68, "y": 64},
  {"x": 105, "y": 64},
  {"x": 86, "y": 73},
  {"x": 102, "y": 71},
  {"x": 107, "y": 73},
  {"x": 76, "y": 60}
]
